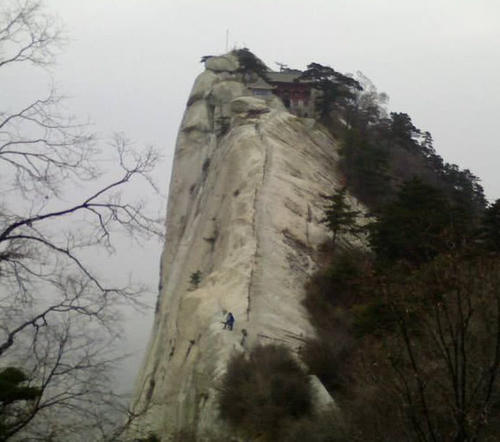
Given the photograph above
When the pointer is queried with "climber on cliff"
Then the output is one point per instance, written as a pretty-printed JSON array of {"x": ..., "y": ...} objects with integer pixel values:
[{"x": 229, "y": 321}]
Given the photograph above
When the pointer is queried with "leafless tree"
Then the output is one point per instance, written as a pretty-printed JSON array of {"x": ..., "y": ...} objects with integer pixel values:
[
  {"x": 57, "y": 312},
  {"x": 431, "y": 371}
]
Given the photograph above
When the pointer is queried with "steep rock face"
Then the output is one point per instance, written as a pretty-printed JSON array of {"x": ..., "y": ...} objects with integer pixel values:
[{"x": 244, "y": 210}]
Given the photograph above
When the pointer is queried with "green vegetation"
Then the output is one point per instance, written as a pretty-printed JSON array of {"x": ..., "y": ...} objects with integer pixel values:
[
  {"x": 14, "y": 395},
  {"x": 490, "y": 227},
  {"x": 324, "y": 427},
  {"x": 195, "y": 279},
  {"x": 249, "y": 63},
  {"x": 409, "y": 333},
  {"x": 339, "y": 217},
  {"x": 263, "y": 392},
  {"x": 416, "y": 226},
  {"x": 336, "y": 89},
  {"x": 380, "y": 153}
]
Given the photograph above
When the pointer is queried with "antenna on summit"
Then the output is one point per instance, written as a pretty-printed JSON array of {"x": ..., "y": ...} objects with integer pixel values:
[{"x": 227, "y": 40}]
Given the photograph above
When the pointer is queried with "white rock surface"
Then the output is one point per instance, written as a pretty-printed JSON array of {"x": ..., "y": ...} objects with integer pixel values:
[
  {"x": 225, "y": 91},
  {"x": 197, "y": 117},
  {"x": 323, "y": 400},
  {"x": 248, "y": 104},
  {"x": 244, "y": 209},
  {"x": 202, "y": 85},
  {"x": 224, "y": 63}
]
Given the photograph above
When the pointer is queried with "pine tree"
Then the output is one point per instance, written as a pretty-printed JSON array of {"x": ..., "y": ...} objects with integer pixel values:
[
  {"x": 490, "y": 229},
  {"x": 195, "y": 279},
  {"x": 339, "y": 217},
  {"x": 14, "y": 398}
]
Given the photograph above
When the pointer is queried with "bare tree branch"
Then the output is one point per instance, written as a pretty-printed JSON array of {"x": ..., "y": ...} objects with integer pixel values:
[
  {"x": 27, "y": 34},
  {"x": 58, "y": 316}
]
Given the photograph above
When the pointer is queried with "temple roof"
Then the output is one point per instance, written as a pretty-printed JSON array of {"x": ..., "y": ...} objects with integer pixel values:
[
  {"x": 288, "y": 76},
  {"x": 261, "y": 84}
]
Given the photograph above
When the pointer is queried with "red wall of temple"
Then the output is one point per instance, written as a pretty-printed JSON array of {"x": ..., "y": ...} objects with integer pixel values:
[{"x": 295, "y": 92}]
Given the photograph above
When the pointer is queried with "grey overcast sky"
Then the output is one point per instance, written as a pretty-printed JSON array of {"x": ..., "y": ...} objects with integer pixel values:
[{"x": 131, "y": 63}]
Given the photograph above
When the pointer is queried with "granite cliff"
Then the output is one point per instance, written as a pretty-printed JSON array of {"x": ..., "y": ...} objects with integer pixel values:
[{"x": 244, "y": 211}]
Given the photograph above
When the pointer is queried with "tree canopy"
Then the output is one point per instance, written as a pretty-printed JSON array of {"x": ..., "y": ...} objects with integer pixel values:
[
  {"x": 336, "y": 89},
  {"x": 249, "y": 63},
  {"x": 415, "y": 323},
  {"x": 415, "y": 227},
  {"x": 339, "y": 217}
]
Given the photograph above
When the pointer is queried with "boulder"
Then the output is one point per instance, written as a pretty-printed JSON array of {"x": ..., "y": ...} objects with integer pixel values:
[
  {"x": 247, "y": 104},
  {"x": 224, "y": 63},
  {"x": 225, "y": 91},
  {"x": 197, "y": 117},
  {"x": 202, "y": 86}
]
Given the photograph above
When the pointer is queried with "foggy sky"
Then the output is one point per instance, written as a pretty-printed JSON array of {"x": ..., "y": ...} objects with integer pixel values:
[{"x": 130, "y": 64}]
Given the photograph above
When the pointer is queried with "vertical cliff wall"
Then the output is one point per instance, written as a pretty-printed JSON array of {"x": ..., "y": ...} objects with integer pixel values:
[{"x": 244, "y": 210}]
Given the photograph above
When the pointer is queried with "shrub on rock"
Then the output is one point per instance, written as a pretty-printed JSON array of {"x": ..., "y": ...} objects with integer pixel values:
[{"x": 263, "y": 391}]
